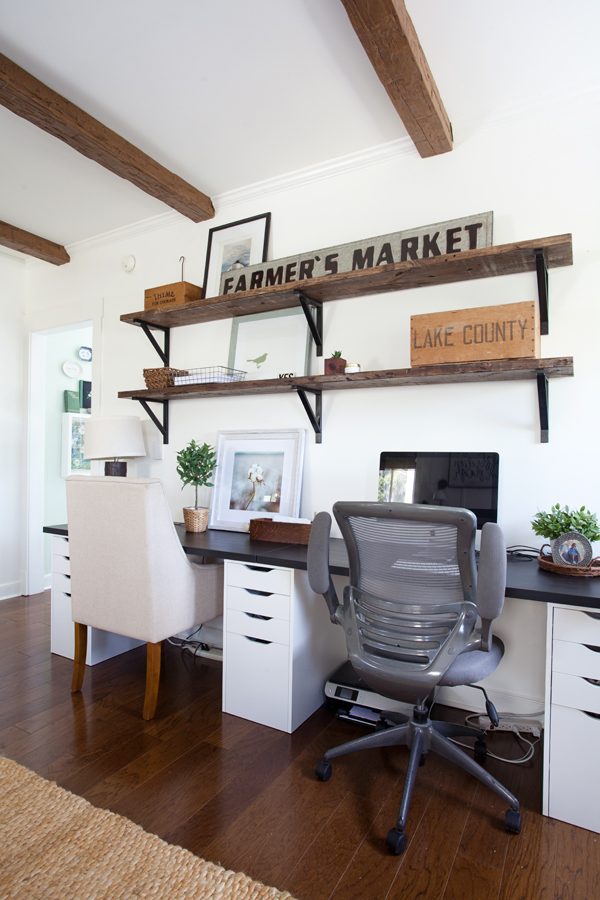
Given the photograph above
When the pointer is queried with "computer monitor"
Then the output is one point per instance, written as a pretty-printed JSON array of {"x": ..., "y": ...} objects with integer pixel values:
[{"x": 469, "y": 480}]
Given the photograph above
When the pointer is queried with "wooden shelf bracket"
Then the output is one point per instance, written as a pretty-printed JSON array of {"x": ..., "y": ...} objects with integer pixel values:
[
  {"x": 313, "y": 311},
  {"x": 542, "y": 283},
  {"x": 165, "y": 350},
  {"x": 315, "y": 416},
  {"x": 542, "y": 389},
  {"x": 163, "y": 426}
]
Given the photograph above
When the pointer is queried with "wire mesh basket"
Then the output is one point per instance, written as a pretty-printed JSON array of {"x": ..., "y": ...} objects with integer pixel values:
[{"x": 208, "y": 374}]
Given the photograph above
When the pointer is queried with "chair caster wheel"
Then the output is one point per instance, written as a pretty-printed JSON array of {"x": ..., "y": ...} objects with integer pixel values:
[
  {"x": 480, "y": 750},
  {"x": 323, "y": 770},
  {"x": 396, "y": 841},
  {"x": 512, "y": 821}
]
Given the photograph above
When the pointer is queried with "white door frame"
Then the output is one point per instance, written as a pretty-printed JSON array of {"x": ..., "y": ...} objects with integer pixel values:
[{"x": 38, "y": 327}]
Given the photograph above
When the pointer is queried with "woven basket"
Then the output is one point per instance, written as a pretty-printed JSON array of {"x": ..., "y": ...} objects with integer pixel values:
[
  {"x": 546, "y": 562},
  {"x": 157, "y": 379},
  {"x": 195, "y": 519}
]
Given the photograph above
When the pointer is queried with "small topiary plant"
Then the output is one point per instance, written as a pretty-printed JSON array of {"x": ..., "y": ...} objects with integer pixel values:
[
  {"x": 560, "y": 520},
  {"x": 196, "y": 464}
]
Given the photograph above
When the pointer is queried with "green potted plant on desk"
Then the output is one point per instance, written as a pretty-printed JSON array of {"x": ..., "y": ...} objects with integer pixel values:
[
  {"x": 570, "y": 532},
  {"x": 196, "y": 464}
]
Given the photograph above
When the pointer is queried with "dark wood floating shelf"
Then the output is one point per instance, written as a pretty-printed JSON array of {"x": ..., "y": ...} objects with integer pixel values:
[
  {"x": 486, "y": 370},
  {"x": 504, "y": 259}
]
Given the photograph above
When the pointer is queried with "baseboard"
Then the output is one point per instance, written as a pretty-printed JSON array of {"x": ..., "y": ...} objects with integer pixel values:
[
  {"x": 465, "y": 697},
  {"x": 10, "y": 590}
]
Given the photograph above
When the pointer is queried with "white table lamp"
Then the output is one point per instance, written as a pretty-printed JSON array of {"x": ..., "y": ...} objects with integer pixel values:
[{"x": 114, "y": 439}]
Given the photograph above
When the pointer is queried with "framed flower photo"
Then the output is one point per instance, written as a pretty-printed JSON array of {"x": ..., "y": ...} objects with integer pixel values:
[
  {"x": 258, "y": 473},
  {"x": 235, "y": 246},
  {"x": 73, "y": 431}
]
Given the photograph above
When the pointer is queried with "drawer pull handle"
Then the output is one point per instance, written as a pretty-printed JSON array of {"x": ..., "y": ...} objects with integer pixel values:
[
  {"x": 258, "y": 568},
  {"x": 592, "y": 647},
  {"x": 257, "y": 640},
  {"x": 259, "y": 593},
  {"x": 594, "y": 681},
  {"x": 592, "y": 615},
  {"x": 591, "y": 714},
  {"x": 256, "y": 616}
]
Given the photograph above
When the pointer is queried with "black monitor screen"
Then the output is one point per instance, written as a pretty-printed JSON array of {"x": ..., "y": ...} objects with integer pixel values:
[{"x": 468, "y": 480}]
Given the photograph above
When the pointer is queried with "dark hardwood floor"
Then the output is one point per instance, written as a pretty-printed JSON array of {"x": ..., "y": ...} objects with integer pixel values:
[{"x": 245, "y": 796}]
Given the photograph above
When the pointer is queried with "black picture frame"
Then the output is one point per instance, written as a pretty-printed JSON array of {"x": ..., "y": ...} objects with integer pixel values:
[{"x": 252, "y": 234}]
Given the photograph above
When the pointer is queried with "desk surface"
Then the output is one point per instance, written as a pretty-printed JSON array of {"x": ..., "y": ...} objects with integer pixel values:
[{"x": 524, "y": 578}]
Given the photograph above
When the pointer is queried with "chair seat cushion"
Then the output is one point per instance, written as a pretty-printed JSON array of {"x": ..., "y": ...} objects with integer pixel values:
[{"x": 474, "y": 665}]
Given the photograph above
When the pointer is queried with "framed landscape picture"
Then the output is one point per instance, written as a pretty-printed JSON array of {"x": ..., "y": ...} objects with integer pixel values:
[
  {"x": 73, "y": 431},
  {"x": 235, "y": 246}
]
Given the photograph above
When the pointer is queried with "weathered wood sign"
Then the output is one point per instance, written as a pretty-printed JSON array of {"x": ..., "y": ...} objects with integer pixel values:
[
  {"x": 468, "y": 233},
  {"x": 510, "y": 331}
]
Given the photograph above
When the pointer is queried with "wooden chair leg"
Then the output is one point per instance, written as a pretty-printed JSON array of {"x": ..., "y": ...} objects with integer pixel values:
[
  {"x": 81, "y": 633},
  {"x": 153, "y": 653}
]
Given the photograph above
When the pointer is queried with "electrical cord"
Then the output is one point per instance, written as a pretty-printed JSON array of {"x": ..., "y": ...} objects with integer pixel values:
[
  {"x": 522, "y": 551},
  {"x": 529, "y": 753}
]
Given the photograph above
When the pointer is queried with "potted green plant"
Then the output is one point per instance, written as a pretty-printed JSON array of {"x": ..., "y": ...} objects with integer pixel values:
[
  {"x": 336, "y": 364},
  {"x": 570, "y": 532},
  {"x": 196, "y": 464}
]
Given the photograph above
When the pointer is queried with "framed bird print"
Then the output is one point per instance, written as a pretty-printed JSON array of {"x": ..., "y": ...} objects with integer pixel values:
[{"x": 271, "y": 345}]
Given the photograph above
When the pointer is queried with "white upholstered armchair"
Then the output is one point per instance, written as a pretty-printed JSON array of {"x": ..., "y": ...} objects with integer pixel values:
[{"x": 129, "y": 572}]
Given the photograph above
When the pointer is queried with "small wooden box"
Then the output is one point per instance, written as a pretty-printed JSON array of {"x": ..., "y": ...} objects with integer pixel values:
[
  {"x": 167, "y": 295},
  {"x": 509, "y": 331},
  {"x": 279, "y": 532}
]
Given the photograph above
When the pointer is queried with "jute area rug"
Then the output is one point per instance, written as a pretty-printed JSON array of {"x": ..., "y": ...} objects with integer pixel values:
[{"x": 56, "y": 846}]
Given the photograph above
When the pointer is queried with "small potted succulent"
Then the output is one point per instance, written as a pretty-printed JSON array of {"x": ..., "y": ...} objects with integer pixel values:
[
  {"x": 196, "y": 464},
  {"x": 336, "y": 363},
  {"x": 570, "y": 532}
]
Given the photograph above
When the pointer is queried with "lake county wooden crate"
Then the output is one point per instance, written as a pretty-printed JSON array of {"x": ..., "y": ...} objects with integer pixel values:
[
  {"x": 509, "y": 331},
  {"x": 166, "y": 295}
]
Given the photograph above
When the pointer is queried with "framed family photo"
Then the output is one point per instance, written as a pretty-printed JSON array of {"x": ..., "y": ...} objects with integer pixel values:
[
  {"x": 258, "y": 473},
  {"x": 235, "y": 246}
]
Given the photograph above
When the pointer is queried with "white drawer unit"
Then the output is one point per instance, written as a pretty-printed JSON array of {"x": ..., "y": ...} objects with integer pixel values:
[
  {"x": 572, "y": 744},
  {"x": 101, "y": 645},
  {"x": 279, "y": 646}
]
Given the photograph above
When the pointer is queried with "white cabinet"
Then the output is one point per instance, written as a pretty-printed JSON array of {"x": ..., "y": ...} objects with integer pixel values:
[
  {"x": 572, "y": 744},
  {"x": 279, "y": 645},
  {"x": 101, "y": 645}
]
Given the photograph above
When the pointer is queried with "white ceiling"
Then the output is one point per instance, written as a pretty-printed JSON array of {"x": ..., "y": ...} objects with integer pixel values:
[{"x": 230, "y": 93}]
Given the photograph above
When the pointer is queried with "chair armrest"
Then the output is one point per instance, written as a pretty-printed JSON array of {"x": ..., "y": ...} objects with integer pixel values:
[
  {"x": 491, "y": 579},
  {"x": 317, "y": 562}
]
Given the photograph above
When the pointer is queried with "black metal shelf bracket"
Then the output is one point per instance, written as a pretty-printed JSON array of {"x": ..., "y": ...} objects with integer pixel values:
[
  {"x": 313, "y": 311},
  {"x": 542, "y": 389},
  {"x": 163, "y": 426},
  {"x": 164, "y": 351},
  {"x": 542, "y": 283},
  {"x": 315, "y": 416}
]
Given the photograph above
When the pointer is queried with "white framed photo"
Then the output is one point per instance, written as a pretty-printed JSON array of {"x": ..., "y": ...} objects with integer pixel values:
[
  {"x": 234, "y": 246},
  {"x": 73, "y": 462},
  {"x": 258, "y": 473},
  {"x": 271, "y": 344}
]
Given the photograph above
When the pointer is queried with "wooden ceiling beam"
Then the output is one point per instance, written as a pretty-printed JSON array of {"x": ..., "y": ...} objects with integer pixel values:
[
  {"x": 32, "y": 245},
  {"x": 29, "y": 98},
  {"x": 388, "y": 36}
]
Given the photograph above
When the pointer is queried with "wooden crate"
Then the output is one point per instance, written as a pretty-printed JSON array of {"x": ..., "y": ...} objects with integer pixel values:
[
  {"x": 509, "y": 331},
  {"x": 166, "y": 295},
  {"x": 262, "y": 529}
]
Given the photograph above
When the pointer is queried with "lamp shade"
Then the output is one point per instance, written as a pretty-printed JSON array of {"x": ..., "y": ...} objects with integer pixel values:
[{"x": 113, "y": 437}]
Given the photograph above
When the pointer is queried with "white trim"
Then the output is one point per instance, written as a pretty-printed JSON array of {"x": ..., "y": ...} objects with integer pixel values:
[
  {"x": 10, "y": 590},
  {"x": 125, "y": 232}
]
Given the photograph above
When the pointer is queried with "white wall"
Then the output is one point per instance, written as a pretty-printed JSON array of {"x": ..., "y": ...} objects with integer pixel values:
[
  {"x": 538, "y": 178},
  {"x": 13, "y": 275}
]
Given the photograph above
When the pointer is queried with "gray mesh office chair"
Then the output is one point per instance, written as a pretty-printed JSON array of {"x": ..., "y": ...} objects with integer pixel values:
[{"x": 417, "y": 615}]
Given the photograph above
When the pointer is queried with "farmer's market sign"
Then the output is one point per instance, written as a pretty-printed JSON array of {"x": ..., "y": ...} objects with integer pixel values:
[{"x": 468, "y": 233}]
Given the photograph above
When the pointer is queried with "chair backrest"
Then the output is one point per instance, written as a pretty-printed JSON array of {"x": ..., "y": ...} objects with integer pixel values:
[
  {"x": 129, "y": 572},
  {"x": 410, "y": 608}
]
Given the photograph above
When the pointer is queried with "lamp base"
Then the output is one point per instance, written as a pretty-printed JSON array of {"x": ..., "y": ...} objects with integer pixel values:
[{"x": 116, "y": 467}]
